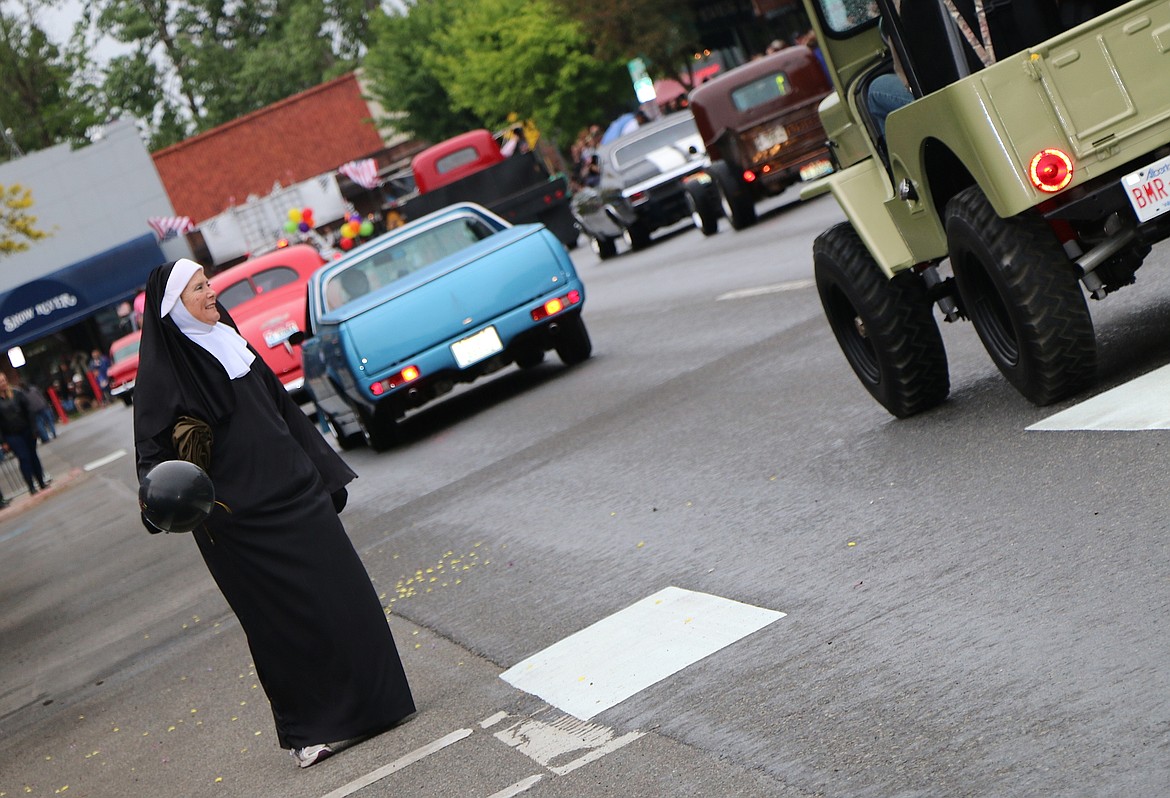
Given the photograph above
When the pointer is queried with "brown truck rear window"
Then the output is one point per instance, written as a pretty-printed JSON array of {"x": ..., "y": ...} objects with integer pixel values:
[{"x": 760, "y": 91}]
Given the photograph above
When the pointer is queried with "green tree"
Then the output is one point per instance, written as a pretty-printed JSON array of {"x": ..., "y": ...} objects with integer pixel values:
[
  {"x": 660, "y": 31},
  {"x": 447, "y": 66},
  {"x": 17, "y": 225},
  {"x": 45, "y": 96},
  {"x": 401, "y": 74},
  {"x": 206, "y": 62},
  {"x": 500, "y": 59}
]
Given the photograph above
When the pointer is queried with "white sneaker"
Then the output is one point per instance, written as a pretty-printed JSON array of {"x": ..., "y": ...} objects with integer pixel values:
[{"x": 311, "y": 755}]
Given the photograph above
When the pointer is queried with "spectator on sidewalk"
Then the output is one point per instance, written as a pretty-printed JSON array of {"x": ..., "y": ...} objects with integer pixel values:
[
  {"x": 42, "y": 413},
  {"x": 18, "y": 431},
  {"x": 99, "y": 364}
]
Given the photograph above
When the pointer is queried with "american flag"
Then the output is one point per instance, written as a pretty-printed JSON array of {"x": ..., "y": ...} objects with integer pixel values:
[
  {"x": 364, "y": 172},
  {"x": 168, "y": 226}
]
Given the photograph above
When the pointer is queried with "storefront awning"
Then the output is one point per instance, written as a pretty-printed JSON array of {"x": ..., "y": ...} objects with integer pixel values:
[{"x": 70, "y": 295}]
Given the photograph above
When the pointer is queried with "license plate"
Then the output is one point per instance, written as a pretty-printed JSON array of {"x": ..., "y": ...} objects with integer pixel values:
[
  {"x": 475, "y": 348},
  {"x": 1148, "y": 189},
  {"x": 771, "y": 138},
  {"x": 278, "y": 335},
  {"x": 815, "y": 169}
]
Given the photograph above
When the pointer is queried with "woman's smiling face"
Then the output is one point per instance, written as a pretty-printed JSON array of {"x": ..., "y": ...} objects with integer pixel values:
[{"x": 199, "y": 299}]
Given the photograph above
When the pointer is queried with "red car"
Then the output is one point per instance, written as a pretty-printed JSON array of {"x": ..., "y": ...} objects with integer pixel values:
[
  {"x": 124, "y": 366},
  {"x": 266, "y": 297}
]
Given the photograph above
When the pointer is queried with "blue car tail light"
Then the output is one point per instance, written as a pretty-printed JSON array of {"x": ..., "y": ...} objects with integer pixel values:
[
  {"x": 408, "y": 374},
  {"x": 554, "y": 306}
]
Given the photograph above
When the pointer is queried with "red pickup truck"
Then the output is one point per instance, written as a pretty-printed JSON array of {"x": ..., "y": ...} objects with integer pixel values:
[{"x": 471, "y": 168}]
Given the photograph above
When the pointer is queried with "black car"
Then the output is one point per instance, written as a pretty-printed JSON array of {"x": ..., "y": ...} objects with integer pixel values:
[{"x": 650, "y": 178}]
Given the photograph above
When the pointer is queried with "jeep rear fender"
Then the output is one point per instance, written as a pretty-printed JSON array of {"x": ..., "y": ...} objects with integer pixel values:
[{"x": 863, "y": 192}]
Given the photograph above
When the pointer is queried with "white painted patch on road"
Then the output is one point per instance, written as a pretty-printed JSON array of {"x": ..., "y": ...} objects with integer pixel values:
[
  {"x": 399, "y": 764},
  {"x": 517, "y": 788},
  {"x": 109, "y": 458},
  {"x": 492, "y": 720},
  {"x": 1140, "y": 404},
  {"x": 564, "y": 744},
  {"x": 606, "y": 663},
  {"x": 764, "y": 290}
]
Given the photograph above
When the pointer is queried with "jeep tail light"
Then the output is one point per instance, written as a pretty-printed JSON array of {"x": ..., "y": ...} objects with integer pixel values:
[
  {"x": 749, "y": 176},
  {"x": 408, "y": 374},
  {"x": 638, "y": 197},
  {"x": 1051, "y": 170},
  {"x": 554, "y": 306}
]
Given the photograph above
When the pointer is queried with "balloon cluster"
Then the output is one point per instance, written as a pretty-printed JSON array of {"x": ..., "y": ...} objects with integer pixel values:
[
  {"x": 299, "y": 219},
  {"x": 353, "y": 227}
]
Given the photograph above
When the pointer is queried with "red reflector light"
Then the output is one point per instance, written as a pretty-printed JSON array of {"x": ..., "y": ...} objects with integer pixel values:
[
  {"x": 749, "y": 176},
  {"x": 554, "y": 306},
  {"x": 1051, "y": 170},
  {"x": 408, "y": 374}
]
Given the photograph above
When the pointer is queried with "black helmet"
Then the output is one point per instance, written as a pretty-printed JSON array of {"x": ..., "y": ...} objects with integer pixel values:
[{"x": 176, "y": 496}]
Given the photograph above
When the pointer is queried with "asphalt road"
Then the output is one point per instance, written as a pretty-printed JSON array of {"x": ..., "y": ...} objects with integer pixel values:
[{"x": 970, "y": 609}]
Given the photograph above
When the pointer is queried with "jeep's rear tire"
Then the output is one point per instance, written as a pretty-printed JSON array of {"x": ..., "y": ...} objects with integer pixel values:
[
  {"x": 703, "y": 200},
  {"x": 738, "y": 204},
  {"x": 572, "y": 342},
  {"x": 886, "y": 327},
  {"x": 1022, "y": 294},
  {"x": 604, "y": 247}
]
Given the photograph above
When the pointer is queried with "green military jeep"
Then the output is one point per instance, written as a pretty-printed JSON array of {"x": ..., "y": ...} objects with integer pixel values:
[{"x": 1033, "y": 153}]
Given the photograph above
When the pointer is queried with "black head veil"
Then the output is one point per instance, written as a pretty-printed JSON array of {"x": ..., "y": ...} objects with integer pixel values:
[{"x": 175, "y": 375}]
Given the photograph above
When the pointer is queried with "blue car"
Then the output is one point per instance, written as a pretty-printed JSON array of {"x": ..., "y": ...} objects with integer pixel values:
[{"x": 458, "y": 294}]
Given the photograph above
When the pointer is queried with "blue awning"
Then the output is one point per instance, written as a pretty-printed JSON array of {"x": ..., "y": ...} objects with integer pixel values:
[{"x": 70, "y": 295}]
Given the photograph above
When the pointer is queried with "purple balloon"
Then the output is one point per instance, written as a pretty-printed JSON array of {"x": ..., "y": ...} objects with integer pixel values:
[{"x": 303, "y": 227}]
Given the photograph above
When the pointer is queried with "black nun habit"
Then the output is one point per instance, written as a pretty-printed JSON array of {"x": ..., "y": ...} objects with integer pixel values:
[{"x": 276, "y": 548}]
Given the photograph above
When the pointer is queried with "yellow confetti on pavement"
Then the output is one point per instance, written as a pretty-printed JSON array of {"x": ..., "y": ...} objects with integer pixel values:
[{"x": 852, "y": 543}]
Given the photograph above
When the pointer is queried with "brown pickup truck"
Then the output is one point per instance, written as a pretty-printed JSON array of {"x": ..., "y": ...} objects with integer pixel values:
[{"x": 760, "y": 125}]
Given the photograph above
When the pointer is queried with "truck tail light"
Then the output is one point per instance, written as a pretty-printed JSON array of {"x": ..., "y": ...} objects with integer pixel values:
[
  {"x": 749, "y": 176},
  {"x": 408, "y": 374},
  {"x": 554, "y": 306},
  {"x": 1051, "y": 170}
]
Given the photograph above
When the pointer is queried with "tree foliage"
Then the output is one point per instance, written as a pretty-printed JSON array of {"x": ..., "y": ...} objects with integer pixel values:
[
  {"x": 45, "y": 95},
  {"x": 196, "y": 64},
  {"x": 402, "y": 77},
  {"x": 449, "y": 65},
  {"x": 440, "y": 67},
  {"x": 17, "y": 226},
  {"x": 660, "y": 31}
]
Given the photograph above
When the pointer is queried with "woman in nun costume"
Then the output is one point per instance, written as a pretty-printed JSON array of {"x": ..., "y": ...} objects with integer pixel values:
[{"x": 274, "y": 543}]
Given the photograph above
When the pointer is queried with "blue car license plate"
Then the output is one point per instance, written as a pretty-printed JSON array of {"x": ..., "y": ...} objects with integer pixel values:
[{"x": 475, "y": 348}]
